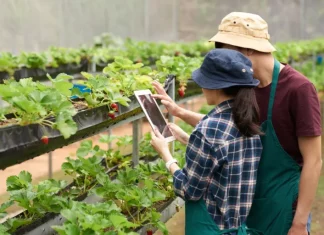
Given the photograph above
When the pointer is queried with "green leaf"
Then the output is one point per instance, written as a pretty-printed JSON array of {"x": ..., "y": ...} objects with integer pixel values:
[
  {"x": 6, "y": 92},
  {"x": 36, "y": 96},
  {"x": 28, "y": 106},
  {"x": 149, "y": 183},
  {"x": 120, "y": 221},
  {"x": 19, "y": 182},
  {"x": 123, "y": 100},
  {"x": 69, "y": 215},
  {"x": 25, "y": 176},
  {"x": 4, "y": 230},
  {"x": 107, "y": 138},
  {"x": 85, "y": 148},
  {"x": 65, "y": 124},
  {"x": 6, "y": 205},
  {"x": 162, "y": 227},
  {"x": 87, "y": 75},
  {"x": 92, "y": 102},
  {"x": 124, "y": 141},
  {"x": 63, "y": 77},
  {"x": 17, "y": 222},
  {"x": 63, "y": 87},
  {"x": 67, "y": 229}
]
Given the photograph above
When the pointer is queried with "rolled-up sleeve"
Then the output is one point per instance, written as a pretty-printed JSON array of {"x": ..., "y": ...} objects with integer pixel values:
[{"x": 191, "y": 182}]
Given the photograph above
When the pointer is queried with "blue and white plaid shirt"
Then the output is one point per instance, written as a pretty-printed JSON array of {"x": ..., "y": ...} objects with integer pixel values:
[{"x": 221, "y": 166}]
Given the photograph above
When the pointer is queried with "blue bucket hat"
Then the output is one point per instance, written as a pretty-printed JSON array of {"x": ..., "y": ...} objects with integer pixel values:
[{"x": 223, "y": 68}]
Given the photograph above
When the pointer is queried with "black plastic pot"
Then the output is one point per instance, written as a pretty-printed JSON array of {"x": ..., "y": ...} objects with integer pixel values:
[{"x": 3, "y": 76}]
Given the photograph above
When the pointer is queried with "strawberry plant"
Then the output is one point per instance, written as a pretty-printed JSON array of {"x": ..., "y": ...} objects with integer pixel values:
[
  {"x": 180, "y": 66},
  {"x": 60, "y": 56},
  {"x": 32, "y": 60},
  {"x": 36, "y": 200},
  {"x": 99, "y": 218},
  {"x": 314, "y": 73},
  {"x": 34, "y": 102},
  {"x": 8, "y": 62},
  {"x": 102, "y": 93}
]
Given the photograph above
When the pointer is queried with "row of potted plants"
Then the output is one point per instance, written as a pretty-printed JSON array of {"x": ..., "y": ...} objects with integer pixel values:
[
  {"x": 74, "y": 60},
  {"x": 127, "y": 198}
]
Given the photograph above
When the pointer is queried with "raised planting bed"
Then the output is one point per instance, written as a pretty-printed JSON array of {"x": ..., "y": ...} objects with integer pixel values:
[
  {"x": 167, "y": 211},
  {"x": 43, "y": 225},
  {"x": 20, "y": 143},
  {"x": 39, "y": 74}
]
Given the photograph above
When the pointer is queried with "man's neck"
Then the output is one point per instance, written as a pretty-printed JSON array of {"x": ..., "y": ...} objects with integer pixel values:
[{"x": 264, "y": 69}]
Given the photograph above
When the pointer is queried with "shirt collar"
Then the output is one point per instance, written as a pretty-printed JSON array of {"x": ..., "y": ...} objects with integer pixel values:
[{"x": 224, "y": 106}]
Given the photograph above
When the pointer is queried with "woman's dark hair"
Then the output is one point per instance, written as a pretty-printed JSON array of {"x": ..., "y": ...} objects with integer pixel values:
[{"x": 245, "y": 110}]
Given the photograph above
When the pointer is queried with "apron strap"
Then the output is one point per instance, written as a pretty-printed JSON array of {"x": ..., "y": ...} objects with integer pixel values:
[
  {"x": 242, "y": 230},
  {"x": 275, "y": 76}
]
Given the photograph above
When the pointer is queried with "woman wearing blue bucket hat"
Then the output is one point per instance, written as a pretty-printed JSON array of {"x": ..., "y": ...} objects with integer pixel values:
[{"x": 223, "y": 152}]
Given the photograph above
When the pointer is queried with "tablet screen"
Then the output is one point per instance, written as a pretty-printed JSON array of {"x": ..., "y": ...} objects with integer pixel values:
[{"x": 154, "y": 114}]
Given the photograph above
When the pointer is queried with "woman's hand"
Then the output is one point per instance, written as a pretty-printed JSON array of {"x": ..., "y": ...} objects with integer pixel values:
[
  {"x": 160, "y": 145},
  {"x": 179, "y": 134},
  {"x": 166, "y": 100}
]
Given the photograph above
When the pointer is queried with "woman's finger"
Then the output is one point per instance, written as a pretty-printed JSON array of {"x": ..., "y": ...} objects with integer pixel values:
[
  {"x": 159, "y": 88},
  {"x": 157, "y": 133},
  {"x": 160, "y": 97}
]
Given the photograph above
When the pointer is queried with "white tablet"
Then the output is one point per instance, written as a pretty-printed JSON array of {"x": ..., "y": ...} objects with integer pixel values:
[{"x": 153, "y": 113}]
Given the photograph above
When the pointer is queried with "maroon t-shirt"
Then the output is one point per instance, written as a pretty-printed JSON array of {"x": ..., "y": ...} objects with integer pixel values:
[{"x": 296, "y": 110}]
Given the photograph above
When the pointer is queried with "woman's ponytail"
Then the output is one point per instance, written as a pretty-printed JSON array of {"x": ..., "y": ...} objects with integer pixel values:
[{"x": 245, "y": 110}]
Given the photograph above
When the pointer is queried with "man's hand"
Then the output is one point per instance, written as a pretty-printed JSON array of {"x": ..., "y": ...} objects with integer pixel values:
[
  {"x": 178, "y": 133},
  {"x": 310, "y": 148},
  {"x": 298, "y": 230},
  {"x": 166, "y": 100}
]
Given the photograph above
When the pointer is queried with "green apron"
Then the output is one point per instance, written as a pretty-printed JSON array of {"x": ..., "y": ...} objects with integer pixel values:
[
  {"x": 277, "y": 182},
  {"x": 199, "y": 222}
]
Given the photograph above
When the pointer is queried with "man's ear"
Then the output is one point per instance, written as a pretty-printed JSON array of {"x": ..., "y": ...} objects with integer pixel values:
[{"x": 249, "y": 52}]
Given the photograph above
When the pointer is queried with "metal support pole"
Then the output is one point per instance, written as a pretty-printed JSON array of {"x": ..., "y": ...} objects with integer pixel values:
[
  {"x": 136, "y": 131},
  {"x": 140, "y": 123},
  {"x": 93, "y": 67},
  {"x": 109, "y": 135},
  {"x": 171, "y": 93},
  {"x": 50, "y": 165}
]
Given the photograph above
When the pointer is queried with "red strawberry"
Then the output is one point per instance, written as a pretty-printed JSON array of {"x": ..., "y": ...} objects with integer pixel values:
[
  {"x": 114, "y": 106},
  {"x": 177, "y": 53},
  {"x": 181, "y": 92},
  {"x": 111, "y": 115},
  {"x": 44, "y": 139},
  {"x": 149, "y": 232}
]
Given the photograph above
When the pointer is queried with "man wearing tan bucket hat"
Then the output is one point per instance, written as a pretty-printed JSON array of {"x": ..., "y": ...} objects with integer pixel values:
[{"x": 290, "y": 165}]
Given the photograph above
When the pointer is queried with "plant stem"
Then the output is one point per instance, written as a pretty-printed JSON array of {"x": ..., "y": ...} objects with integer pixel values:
[{"x": 134, "y": 221}]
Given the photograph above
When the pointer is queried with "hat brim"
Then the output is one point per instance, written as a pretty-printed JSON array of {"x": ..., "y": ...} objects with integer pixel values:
[
  {"x": 216, "y": 84},
  {"x": 244, "y": 41}
]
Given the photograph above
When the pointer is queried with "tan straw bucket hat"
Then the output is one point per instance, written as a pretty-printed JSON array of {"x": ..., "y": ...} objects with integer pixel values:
[{"x": 244, "y": 30}]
